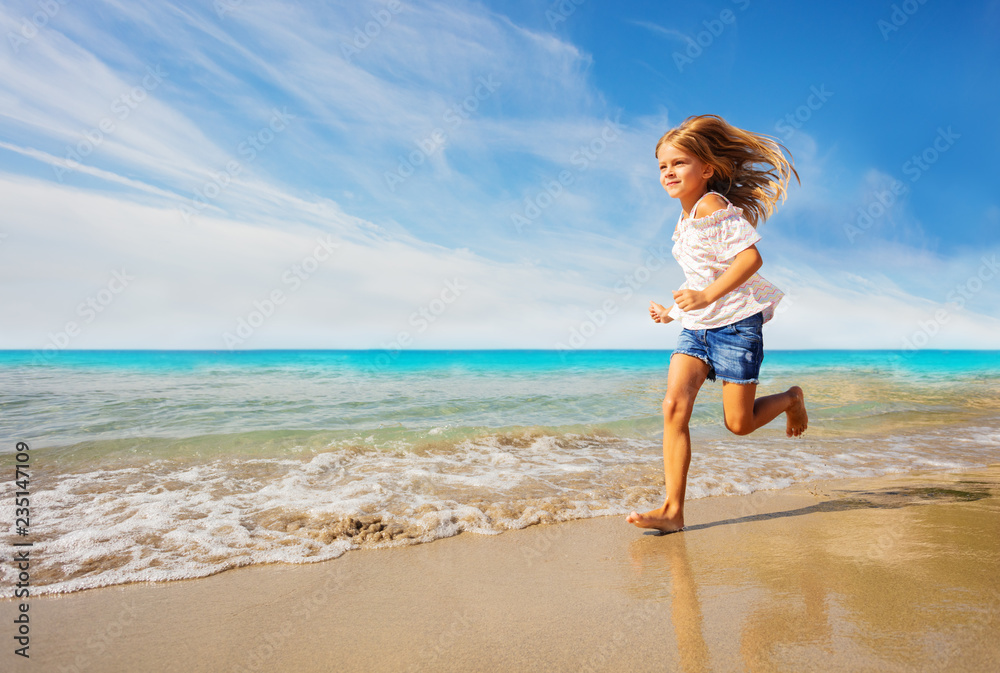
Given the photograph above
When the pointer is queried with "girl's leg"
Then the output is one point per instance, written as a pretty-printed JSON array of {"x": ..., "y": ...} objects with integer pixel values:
[
  {"x": 684, "y": 379},
  {"x": 744, "y": 414}
]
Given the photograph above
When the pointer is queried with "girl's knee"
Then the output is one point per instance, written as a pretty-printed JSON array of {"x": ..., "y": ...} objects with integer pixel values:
[
  {"x": 677, "y": 407},
  {"x": 740, "y": 426}
]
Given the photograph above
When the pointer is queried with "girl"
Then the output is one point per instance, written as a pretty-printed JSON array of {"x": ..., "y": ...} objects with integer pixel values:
[{"x": 727, "y": 180}]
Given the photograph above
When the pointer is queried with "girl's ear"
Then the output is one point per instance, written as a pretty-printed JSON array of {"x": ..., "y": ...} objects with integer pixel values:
[{"x": 708, "y": 172}]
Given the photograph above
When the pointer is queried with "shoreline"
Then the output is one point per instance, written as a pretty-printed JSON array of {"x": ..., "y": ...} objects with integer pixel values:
[{"x": 895, "y": 572}]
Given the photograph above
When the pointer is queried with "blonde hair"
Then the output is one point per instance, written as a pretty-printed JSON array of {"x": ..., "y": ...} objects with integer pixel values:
[{"x": 750, "y": 168}]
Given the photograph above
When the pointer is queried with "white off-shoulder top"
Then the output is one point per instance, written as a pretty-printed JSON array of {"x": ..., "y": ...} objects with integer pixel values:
[{"x": 705, "y": 247}]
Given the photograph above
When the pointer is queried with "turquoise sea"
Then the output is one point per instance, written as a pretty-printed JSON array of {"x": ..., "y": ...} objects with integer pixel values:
[{"x": 155, "y": 465}]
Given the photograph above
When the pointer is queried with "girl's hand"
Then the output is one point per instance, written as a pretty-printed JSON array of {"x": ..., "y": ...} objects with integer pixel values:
[
  {"x": 658, "y": 313},
  {"x": 691, "y": 300}
]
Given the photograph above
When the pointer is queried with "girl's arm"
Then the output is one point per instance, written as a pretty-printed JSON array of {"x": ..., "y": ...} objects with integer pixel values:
[{"x": 744, "y": 265}]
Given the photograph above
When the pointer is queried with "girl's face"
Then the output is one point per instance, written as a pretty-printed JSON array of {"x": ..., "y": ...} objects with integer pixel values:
[{"x": 682, "y": 174}]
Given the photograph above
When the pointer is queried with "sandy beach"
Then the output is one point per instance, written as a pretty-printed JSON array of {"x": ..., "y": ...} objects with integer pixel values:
[{"x": 893, "y": 574}]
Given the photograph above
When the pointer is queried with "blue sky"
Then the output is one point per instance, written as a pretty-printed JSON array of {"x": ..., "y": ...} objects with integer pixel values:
[{"x": 260, "y": 174}]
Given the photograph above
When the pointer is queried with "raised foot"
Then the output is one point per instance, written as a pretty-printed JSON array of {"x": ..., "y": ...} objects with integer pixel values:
[
  {"x": 658, "y": 519},
  {"x": 797, "y": 418}
]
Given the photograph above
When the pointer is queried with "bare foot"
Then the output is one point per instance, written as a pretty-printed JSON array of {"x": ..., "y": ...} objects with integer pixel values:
[
  {"x": 797, "y": 418},
  {"x": 658, "y": 519}
]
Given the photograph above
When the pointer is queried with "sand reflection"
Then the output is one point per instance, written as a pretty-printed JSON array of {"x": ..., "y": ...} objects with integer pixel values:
[
  {"x": 898, "y": 575},
  {"x": 665, "y": 562}
]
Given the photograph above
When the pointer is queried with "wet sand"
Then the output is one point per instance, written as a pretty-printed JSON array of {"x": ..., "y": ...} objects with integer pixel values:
[{"x": 897, "y": 573}]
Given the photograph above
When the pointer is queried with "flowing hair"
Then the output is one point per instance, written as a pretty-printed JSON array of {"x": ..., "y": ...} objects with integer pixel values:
[{"x": 750, "y": 168}]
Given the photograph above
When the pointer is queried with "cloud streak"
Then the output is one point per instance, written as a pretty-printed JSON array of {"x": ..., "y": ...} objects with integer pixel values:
[{"x": 542, "y": 143}]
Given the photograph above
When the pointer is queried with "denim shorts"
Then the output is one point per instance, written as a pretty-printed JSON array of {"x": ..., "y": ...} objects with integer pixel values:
[{"x": 732, "y": 352}]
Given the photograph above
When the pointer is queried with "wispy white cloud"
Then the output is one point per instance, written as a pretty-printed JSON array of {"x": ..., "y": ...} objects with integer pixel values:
[
  {"x": 194, "y": 281},
  {"x": 62, "y": 165},
  {"x": 669, "y": 33},
  {"x": 354, "y": 117}
]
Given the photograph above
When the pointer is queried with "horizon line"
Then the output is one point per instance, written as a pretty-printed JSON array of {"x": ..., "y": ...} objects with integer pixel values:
[{"x": 49, "y": 352}]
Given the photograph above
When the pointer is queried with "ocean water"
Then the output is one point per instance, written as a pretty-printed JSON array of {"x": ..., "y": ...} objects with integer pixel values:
[{"x": 153, "y": 466}]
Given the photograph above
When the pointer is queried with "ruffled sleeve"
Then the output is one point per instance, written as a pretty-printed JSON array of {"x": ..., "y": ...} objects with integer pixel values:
[{"x": 732, "y": 235}]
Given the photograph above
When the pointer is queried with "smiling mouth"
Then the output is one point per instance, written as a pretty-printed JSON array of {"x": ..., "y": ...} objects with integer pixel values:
[{"x": 675, "y": 182}]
